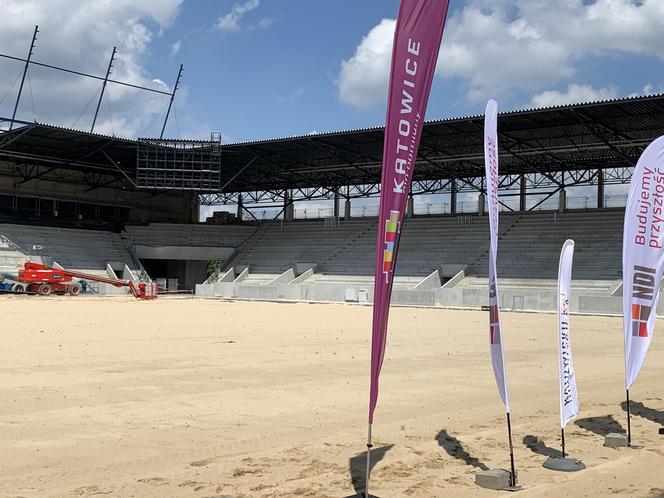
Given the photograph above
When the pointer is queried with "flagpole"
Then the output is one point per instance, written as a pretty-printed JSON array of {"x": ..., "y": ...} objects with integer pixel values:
[
  {"x": 368, "y": 469},
  {"x": 509, "y": 433},
  {"x": 562, "y": 434},
  {"x": 629, "y": 422}
]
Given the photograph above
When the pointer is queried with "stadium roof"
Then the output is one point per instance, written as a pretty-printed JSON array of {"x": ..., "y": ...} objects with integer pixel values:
[
  {"x": 572, "y": 137},
  {"x": 54, "y": 148}
]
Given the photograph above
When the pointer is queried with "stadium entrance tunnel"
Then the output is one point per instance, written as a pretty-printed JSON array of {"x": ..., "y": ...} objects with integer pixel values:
[
  {"x": 179, "y": 267},
  {"x": 173, "y": 275}
]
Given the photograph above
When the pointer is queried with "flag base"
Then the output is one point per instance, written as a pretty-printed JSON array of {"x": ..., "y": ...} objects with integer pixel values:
[
  {"x": 498, "y": 479},
  {"x": 564, "y": 464},
  {"x": 615, "y": 440},
  {"x": 362, "y": 494}
]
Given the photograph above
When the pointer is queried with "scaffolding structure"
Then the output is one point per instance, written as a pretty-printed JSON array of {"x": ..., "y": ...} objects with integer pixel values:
[{"x": 172, "y": 164}]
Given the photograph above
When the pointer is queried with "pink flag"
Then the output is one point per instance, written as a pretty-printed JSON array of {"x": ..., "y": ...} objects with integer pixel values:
[{"x": 417, "y": 38}]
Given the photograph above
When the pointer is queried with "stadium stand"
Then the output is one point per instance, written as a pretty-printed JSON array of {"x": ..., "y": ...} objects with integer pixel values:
[
  {"x": 196, "y": 235},
  {"x": 530, "y": 248},
  {"x": 71, "y": 248},
  {"x": 443, "y": 260},
  {"x": 529, "y": 245},
  {"x": 344, "y": 253}
]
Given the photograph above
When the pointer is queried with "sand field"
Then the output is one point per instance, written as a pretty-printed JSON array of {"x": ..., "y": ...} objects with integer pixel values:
[{"x": 205, "y": 398}]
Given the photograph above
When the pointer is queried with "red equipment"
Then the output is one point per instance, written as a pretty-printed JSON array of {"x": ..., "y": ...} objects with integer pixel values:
[{"x": 44, "y": 280}]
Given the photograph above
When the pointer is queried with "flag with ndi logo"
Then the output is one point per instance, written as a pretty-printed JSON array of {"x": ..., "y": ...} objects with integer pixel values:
[
  {"x": 417, "y": 37},
  {"x": 569, "y": 399},
  {"x": 643, "y": 256},
  {"x": 491, "y": 171}
]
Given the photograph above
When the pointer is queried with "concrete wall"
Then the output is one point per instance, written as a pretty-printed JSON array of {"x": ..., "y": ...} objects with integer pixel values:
[
  {"x": 458, "y": 297},
  {"x": 184, "y": 253}
]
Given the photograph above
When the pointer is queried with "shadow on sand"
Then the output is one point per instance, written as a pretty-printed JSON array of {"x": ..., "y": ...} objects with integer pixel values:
[
  {"x": 358, "y": 466},
  {"x": 638, "y": 408},
  {"x": 601, "y": 426},
  {"x": 536, "y": 446},
  {"x": 454, "y": 448}
]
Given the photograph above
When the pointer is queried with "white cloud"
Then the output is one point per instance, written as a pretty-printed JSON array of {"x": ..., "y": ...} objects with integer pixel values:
[
  {"x": 575, "y": 94},
  {"x": 231, "y": 21},
  {"x": 497, "y": 47},
  {"x": 175, "y": 48},
  {"x": 160, "y": 83},
  {"x": 292, "y": 97},
  {"x": 648, "y": 89},
  {"x": 82, "y": 39},
  {"x": 265, "y": 22},
  {"x": 363, "y": 78}
]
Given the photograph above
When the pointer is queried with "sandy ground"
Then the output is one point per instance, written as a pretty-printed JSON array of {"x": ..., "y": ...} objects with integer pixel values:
[{"x": 202, "y": 398}]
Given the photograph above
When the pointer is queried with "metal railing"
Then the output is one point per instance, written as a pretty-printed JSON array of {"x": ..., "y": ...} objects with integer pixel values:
[
  {"x": 12, "y": 244},
  {"x": 541, "y": 203}
]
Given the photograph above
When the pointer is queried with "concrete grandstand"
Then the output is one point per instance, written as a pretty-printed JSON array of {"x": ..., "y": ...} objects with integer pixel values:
[
  {"x": 93, "y": 202},
  {"x": 443, "y": 260}
]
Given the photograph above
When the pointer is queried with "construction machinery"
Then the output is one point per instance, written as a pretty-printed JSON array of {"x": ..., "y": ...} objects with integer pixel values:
[{"x": 36, "y": 278}]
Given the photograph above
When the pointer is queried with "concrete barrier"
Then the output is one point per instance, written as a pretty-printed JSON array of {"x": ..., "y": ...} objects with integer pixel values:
[
  {"x": 110, "y": 272},
  {"x": 431, "y": 282},
  {"x": 511, "y": 299},
  {"x": 204, "y": 290},
  {"x": 257, "y": 292},
  {"x": 243, "y": 275},
  {"x": 228, "y": 276},
  {"x": 303, "y": 276},
  {"x": 414, "y": 297},
  {"x": 225, "y": 289},
  {"x": 600, "y": 304},
  {"x": 284, "y": 278},
  {"x": 455, "y": 279}
]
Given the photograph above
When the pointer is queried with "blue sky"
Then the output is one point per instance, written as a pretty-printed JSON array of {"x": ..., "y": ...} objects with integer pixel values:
[
  {"x": 266, "y": 68},
  {"x": 283, "y": 79},
  {"x": 257, "y": 69},
  {"x": 274, "y": 81}
]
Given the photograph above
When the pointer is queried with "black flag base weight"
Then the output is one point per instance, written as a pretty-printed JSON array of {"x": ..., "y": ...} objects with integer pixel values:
[{"x": 564, "y": 464}]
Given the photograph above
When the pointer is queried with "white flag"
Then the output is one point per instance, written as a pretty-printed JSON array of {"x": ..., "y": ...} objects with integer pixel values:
[
  {"x": 643, "y": 256},
  {"x": 491, "y": 169},
  {"x": 569, "y": 399}
]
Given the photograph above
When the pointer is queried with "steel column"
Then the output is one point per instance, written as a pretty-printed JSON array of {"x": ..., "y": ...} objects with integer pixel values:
[
  {"x": 25, "y": 71},
  {"x": 522, "y": 193},
  {"x": 170, "y": 103},
  {"x": 103, "y": 88}
]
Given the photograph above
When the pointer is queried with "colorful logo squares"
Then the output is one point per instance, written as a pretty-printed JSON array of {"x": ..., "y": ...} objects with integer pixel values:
[
  {"x": 640, "y": 315},
  {"x": 391, "y": 230}
]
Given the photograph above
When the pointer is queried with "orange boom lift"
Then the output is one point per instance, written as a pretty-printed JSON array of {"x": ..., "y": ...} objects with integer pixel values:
[{"x": 44, "y": 280}]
